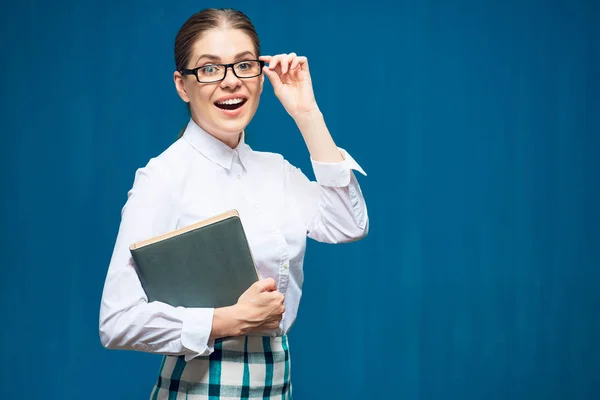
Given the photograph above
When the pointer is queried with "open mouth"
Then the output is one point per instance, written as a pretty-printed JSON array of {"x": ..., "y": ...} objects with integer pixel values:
[{"x": 231, "y": 104}]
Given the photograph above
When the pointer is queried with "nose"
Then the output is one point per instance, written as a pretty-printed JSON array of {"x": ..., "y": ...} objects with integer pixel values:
[{"x": 230, "y": 81}]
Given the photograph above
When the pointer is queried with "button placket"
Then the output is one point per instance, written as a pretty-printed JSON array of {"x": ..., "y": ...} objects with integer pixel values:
[
  {"x": 284, "y": 263},
  {"x": 237, "y": 171}
]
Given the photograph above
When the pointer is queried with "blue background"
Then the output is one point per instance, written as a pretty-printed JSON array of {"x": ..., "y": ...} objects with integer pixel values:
[{"x": 477, "y": 122}]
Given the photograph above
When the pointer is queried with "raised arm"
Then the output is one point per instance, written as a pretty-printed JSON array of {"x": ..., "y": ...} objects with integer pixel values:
[{"x": 333, "y": 208}]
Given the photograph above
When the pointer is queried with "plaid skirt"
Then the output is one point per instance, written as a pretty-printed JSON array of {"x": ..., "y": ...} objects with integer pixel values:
[{"x": 244, "y": 367}]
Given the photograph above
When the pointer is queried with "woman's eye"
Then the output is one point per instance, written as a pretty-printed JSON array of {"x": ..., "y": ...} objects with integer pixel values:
[
  {"x": 209, "y": 69},
  {"x": 244, "y": 65}
]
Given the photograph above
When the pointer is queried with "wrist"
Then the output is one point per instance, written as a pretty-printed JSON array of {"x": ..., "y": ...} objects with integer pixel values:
[
  {"x": 225, "y": 323},
  {"x": 305, "y": 116},
  {"x": 311, "y": 123}
]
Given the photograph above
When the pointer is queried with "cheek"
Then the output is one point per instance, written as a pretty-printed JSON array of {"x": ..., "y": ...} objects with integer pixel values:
[
  {"x": 200, "y": 94},
  {"x": 201, "y": 105},
  {"x": 204, "y": 93},
  {"x": 256, "y": 90}
]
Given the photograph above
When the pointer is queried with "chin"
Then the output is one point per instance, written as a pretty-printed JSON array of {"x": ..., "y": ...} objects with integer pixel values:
[
  {"x": 227, "y": 124},
  {"x": 232, "y": 128}
]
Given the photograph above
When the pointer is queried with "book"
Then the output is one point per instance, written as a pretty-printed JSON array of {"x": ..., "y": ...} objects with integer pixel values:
[{"x": 206, "y": 264}]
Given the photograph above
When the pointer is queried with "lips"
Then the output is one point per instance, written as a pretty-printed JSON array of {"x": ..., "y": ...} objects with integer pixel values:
[{"x": 232, "y": 103}]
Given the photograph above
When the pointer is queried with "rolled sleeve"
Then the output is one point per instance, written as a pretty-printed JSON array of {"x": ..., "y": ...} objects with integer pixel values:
[
  {"x": 195, "y": 332},
  {"x": 333, "y": 208},
  {"x": 336, "y": 174}
]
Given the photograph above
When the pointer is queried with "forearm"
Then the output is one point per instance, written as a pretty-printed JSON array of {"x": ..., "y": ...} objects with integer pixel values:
[
  {"x": 154, "y": 327},
  {"x": 320, "y": 144}
]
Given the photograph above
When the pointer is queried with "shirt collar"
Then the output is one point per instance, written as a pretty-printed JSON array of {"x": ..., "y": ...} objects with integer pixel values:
[{"x": 212, "y": 148}]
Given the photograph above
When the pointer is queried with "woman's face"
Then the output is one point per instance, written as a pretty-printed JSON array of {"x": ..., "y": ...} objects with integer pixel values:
[{"x": 221, "y": 46}]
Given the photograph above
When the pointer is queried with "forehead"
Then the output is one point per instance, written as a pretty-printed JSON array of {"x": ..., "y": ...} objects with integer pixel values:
[{"x": 223, "y": 43}]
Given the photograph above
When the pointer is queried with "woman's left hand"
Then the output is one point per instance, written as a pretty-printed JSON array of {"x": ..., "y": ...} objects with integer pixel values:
[{"x": 291, "y": 82}]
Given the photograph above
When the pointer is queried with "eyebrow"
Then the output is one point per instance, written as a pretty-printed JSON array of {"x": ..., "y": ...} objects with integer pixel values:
[{"x": 217, "y": 58}]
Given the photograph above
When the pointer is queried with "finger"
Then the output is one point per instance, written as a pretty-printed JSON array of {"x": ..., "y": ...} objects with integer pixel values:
[
  {"x": 267, "y": 325},
  {"x": 303, "y": 62},
  {"x": 285, "y": 63},
  {"x": 270, "y": 322},
  {"x": 295, "y": 63},
  {"x": 273, "y": 78},
  {"x": 270, "y": 284},
  {"x": 266, "y": 60},
  {"x": 292, "y": 57},
  {"x": 271, "y": 325},
  {"x": 274, "y": 61},
  {"x": 266, "y": 285},
  {"x": 280, "y": 297},
  {"x": 274, "y": 297}
]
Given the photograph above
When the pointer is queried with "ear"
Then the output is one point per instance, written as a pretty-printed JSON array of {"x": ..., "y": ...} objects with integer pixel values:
[{"x": 180, "y": 86}]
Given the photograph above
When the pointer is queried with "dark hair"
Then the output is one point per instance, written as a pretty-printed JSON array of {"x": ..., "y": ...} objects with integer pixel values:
[{"x": 203, "y": 21}]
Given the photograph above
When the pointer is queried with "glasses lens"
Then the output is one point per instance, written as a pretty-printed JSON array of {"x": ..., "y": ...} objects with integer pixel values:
[
  {"x": 211, "y": 73},
  {"x": 247, "y": 69}
]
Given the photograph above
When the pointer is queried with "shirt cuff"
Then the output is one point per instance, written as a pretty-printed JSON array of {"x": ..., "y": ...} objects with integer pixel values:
[
  {"x": 336, "y": 174},
  {"x": 195, "y": 332}
]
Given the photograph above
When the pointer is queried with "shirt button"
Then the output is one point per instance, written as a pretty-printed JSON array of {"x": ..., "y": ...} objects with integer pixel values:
[
  {"x": 286, "y": 266},
  {"x": 256, "y": 206},
  {"x": 239, "y": 177}
]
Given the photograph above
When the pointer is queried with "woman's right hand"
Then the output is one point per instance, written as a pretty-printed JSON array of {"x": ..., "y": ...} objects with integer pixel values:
[{"x": 260, "y": 308}]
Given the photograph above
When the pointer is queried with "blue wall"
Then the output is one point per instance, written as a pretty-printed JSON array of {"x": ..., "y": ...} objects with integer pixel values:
[{"x": 477, "y": 122}]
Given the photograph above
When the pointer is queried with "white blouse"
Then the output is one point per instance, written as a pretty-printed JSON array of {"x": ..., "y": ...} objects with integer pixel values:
[{"x": 197, "y": 177}]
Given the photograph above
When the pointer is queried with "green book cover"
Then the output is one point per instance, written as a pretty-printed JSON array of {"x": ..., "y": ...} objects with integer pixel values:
[{"x": 206, "y": 264}]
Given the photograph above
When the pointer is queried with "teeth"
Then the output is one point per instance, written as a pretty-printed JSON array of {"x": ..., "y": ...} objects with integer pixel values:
[{"x": 231, "y": 101}]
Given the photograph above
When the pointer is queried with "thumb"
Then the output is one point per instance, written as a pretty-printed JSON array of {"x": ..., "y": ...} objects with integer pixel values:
[
  {"x": 273, "y": 78},
  {"x": 266, "y": 285}
]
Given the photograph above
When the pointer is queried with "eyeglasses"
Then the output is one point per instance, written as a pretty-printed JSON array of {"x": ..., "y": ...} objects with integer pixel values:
[{"x": 211, "y": 73}]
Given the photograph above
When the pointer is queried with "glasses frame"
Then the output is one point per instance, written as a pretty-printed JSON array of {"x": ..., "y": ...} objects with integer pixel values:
[{"x": 194, "y": 71}]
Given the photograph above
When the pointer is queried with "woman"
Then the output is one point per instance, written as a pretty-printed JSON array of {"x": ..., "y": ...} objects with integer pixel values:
[{"x": 239, "y": 351}]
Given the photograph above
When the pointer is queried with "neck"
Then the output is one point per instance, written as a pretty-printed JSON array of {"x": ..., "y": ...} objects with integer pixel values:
[{"x": 231, "y": 141}]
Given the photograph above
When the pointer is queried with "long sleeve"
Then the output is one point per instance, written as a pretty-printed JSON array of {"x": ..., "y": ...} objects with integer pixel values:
[
  {"x": 127, "y": 320},
  {"x": 333, "y": 208}
]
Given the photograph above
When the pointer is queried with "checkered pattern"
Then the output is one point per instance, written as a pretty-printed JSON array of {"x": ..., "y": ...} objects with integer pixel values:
[{"x": 246, "y": 367}]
